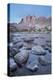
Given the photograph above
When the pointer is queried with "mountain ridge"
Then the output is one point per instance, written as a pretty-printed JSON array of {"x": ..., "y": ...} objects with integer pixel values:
[{"x": 31, "y": 23}]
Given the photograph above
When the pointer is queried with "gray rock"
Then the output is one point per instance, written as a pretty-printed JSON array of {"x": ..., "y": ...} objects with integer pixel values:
[
  {"x": 45, "y": 60},
  {"x": 12, "y": 64},
  {"x": 21, "y": 57},
  {"x": 28, "y": 39},
  {"x": 16, "y": 40},
  {"x": 27, "y": 45},
  {"x": 39, "y": 41},
  {"x": 32, "y": 63},
  {"x": 18, "y": 45},
  {"x": 23, "y": 48},
  {"x": 38, "y": 50},
  {"x": 13, "y": 51}
]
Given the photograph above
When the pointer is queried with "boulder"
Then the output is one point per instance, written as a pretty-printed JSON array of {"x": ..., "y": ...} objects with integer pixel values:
[
  {"x": 39, "y": 41},
  {"x": 28, "y": 39},
  {"x": 18, "y": 45},
  {"x": 12, "y": 64},
  {"x": 16, "y": 40},
  {"x": 38, "y": 50},
  {"x": 23, "y": 48},
  {"x": 21, "y": 57},
  {"x": 45, "y": 60},
  {"x": 32, "y": 63},
  {"x": 13, "y": 51},
  {"x": 28, "y": 46}
]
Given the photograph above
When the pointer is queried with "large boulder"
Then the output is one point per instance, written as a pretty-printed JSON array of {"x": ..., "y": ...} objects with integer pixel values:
[
  {"x": 12, "y": 64},
  {"x": 45, "y": 60},
  {"x": 38, "y": 50},
  {"x": 32, "y": 63},
  {"x": 21, "y": 57}
]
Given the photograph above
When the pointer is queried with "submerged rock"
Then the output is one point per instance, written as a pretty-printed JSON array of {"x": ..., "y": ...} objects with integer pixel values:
[
  {"x": 12, "y": 64},
  {"x": 32, "y": 63},
  {"x": 45, "y": 60},
  {"x": 38, "y": 50},
  {"x": 21, "y": 57}
]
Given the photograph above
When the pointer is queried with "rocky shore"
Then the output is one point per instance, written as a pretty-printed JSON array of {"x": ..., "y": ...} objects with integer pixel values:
[{"x": 29, "y": 53}]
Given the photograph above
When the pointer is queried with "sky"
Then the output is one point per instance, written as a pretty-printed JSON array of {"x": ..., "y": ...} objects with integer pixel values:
[{"x": 17, "y": 11}]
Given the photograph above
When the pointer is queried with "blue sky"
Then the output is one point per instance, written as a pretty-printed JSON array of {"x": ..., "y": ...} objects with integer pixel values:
[{"x": 17, "y": 11}]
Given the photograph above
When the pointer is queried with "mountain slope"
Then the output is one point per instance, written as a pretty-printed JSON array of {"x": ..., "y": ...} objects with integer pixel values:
[{"x": 31, "y": 23}]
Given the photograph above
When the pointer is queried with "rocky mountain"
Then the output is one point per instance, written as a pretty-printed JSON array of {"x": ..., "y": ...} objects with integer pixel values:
[{"x": 32, "y": 23}]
